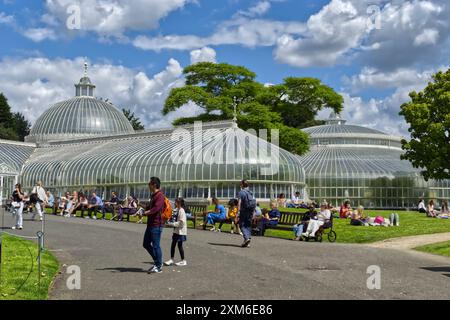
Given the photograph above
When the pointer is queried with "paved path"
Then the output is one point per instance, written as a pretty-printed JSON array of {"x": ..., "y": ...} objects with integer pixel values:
[
  {"x": 113, "y": 265},
  {"x": 406, "y": 243}
]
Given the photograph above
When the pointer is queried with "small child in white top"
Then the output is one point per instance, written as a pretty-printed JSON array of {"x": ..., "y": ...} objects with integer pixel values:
[{"x": 179, "y": 223}]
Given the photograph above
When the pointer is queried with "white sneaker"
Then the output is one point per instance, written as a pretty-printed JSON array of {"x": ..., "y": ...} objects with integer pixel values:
[
  {"x": 14, "y": 228},
  {"x": 94, "y": 217},
  {"x": 87, "y": 217},
  {"x": 169, "y": 263},
  {"x": 155, "y": 270},
  {"x": 181, "y": 263},
  {"x": 67, "y": 216},
  {"x": 213, "y": 229},
  {"x": 41, "y": 219},
  {"x": 231, "y": 231},
  {"x": 305, "y": 234},
  {"x": 241, "y": 234}
]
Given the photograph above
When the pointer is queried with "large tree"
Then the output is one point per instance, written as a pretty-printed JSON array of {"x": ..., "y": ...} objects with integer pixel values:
[
  {"x": 13, "y": 126},
  {"x": 428, "y": 114},
  {"x": 22, "y": 125},
  {"x": 287, "y": 107},
  {"x": 134, "y": 120}
]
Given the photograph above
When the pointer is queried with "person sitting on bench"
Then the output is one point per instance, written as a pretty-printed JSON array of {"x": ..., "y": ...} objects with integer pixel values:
[
  {"x": 218, "y": 215},
  {"x": 71, "y": 205},
  {"x": 130, "y": 208},
  {"x": 110, "y": 205},
  {"x": 232, "y": 215},
  {"x": 95, "y": 205},
  {"x": 272, "y": 218}
]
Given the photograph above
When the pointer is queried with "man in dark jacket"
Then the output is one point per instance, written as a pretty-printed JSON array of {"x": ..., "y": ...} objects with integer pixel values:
[{"x": 155, "y": 225}]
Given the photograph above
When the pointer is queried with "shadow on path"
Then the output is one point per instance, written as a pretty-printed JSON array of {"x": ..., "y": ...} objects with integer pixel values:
[
  {"x": 123, "y": 270},
  {"x": 225, "y": 245},
  {"x": 444, "y": 270}
]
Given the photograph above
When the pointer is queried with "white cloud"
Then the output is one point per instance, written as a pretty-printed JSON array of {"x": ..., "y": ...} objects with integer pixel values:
[
  {"x": 258, "y": 9},
  {"x": 32, "y": 85},
  {"x": 410, "y": 33},
  {"x": 239, "y": 31},
  {"x": 206, "y": 54},
  {"x": 113, "y": 17},
  {"x": 40, "y": 34},
  {"x": 427, "y": 37},
  {"x": 6, "y": 19},
  {"x": 330, "y": 34},
  {"x": 402, "y": 77}
]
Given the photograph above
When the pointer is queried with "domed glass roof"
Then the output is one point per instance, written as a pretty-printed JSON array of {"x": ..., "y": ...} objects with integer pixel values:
[{"x": 80, "y": 117}]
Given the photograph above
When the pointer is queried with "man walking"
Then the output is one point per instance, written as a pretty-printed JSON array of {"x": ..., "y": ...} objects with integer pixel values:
[
  {"x": 155, "y": 224},
  {"x": 247, "y": 206}
]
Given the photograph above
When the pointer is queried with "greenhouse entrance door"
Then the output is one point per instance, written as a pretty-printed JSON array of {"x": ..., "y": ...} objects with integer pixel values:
[
  {"x": 7, "y": 182},
  {"x": 6, "y": 187}
]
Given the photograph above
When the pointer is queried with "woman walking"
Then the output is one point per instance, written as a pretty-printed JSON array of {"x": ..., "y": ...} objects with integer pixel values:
[
  {"x": 179, "y": 234},
  {"x": 18, "y": 198}
]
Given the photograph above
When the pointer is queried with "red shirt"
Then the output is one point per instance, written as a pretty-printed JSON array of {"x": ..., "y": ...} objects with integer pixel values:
[
  {"x": 344, "y": 212},
  {"x": 156, "y": 207}
]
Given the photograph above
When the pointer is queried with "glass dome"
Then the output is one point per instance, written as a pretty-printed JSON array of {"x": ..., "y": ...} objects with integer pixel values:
[
  {"x": 126, "y": 163},
  {"x": 363, "y": 165},
  {"x": 80, "y": 117}
]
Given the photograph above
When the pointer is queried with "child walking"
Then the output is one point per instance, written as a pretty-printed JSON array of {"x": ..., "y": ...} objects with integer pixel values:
[{"x": 179, "y": 223}]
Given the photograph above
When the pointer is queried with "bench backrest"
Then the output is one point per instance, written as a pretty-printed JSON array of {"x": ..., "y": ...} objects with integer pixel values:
[{"x": 290, "y": 218}]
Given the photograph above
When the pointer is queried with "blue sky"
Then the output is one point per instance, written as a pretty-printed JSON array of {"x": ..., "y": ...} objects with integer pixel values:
[{"x": 373, "y": 56}]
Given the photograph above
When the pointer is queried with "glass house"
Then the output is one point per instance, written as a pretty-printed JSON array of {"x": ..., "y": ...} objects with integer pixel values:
[
  {"x": 86, "y": 144},
  {"x": 364, "y": 166}
]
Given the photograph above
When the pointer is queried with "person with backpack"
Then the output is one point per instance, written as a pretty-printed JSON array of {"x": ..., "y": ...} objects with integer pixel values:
[
  {"x": 247, "y": 206},
  {"x": 156, "y": 216}
]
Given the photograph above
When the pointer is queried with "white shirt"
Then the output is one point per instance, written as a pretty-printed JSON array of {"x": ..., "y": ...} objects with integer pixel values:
[
  {"x": 40, "y": 193},
  {"x": 324, "y": 215},
  {"x": 422, "y": 205},
  {"x": 181, "y": 224}
]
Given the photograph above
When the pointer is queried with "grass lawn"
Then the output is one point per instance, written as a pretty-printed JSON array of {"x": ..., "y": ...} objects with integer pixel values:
[
  {"x": 20, "y": 271},
  {"x": 411, "y": 224},
  {"x": 442, "y": 248}
]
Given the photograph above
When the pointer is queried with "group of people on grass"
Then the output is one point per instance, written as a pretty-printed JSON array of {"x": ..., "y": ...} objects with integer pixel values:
[
  {"x": 430, "y": 209},
  {"x": 358, "y": 217}
]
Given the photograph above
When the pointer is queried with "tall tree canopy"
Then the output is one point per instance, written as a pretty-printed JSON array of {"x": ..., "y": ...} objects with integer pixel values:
[
  {"x": 428, "y": 114},
  {"x": 288, "y": 107},
  {"x": 13, "y": 126},
  {"x": 134, "y": 120}
]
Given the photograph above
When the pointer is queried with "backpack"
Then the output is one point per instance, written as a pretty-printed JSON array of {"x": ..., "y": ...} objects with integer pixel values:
[
  {"x": 167, "y": 211},
  {"x": 250, "y": 204}
]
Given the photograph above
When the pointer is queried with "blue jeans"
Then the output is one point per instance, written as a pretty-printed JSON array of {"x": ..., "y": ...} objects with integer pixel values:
[
  {"x": 298, "y": 230},
  {"x": 212, "y": 218},
  {"x": 245, "y": 223},
  {"x": 152, "y": 240}
]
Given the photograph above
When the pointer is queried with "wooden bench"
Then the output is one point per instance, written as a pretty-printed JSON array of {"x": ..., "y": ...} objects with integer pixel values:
[
  {"x": 287, "y": 221},
  {"x": 196, "y": 208}
]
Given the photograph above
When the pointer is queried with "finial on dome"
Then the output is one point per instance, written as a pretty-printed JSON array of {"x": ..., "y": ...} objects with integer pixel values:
[
  {"x": 85, "y": 88},
  {"x": 86, "y": 66}
]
